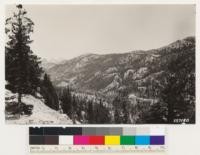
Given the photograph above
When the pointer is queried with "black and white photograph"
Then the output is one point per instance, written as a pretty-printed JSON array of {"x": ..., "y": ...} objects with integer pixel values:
[{"x": 100, "y": 64}]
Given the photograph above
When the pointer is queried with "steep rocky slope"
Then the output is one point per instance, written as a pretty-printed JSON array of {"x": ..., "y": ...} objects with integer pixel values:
[
  {"x": 41, "y": 114},
  {"x": 136, "y": 70}
]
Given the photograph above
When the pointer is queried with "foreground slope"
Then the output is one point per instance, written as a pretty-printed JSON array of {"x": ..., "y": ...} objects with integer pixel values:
[{"x": 41, "y": 113}]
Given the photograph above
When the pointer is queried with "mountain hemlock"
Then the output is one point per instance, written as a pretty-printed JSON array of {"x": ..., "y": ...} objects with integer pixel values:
[{"x": 23, "y": 69}]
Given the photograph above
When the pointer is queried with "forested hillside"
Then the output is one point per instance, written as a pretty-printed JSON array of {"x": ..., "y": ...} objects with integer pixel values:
[{"x": 161, "y": 79}]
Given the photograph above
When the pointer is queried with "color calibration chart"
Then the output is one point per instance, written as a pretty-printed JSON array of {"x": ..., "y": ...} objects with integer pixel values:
[{"x": 96, "y": 139}]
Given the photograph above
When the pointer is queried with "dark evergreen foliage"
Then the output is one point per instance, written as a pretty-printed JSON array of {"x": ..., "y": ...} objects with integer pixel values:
[
  {"x": 179, "y": 91},
  {"x": 83, "y": 109},
  {"x": 66, "y": 101},
  {"x": 90, "y": 112},
  {"x": 102, "y": 113},
  {"x": 156, "y": 114},
  {"x": 23, "y": 69},
  {"x": 176, "y": 98},
  {"x": 121, "y": 105},
  {"x": 49, "y": 93}
]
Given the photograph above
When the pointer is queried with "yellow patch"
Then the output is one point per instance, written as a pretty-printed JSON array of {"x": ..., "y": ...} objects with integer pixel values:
[{"x": 112, "y": 140}]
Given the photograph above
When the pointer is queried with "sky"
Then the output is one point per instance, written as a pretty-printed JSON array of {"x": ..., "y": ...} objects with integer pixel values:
[{"x": 68, "y": 31}]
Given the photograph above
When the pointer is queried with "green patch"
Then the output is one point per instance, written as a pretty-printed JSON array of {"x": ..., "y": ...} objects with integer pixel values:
[{"x": 127, "y": 140}]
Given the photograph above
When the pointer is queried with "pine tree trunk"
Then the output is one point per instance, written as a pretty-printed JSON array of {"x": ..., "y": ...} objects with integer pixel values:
[
  {"x": 19, "y": 98},
  {"x": 19, "y": 103},
  {"x": 73, "y": 118}
]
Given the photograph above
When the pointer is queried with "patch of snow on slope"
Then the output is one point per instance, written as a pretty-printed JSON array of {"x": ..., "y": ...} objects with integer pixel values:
[{"x": 41, "y": 113}]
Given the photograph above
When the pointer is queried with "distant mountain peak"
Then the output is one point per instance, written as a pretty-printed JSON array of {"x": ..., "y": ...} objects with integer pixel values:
[{"x": 181, "y": 43}]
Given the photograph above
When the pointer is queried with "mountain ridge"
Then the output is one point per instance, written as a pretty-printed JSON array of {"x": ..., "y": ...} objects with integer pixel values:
[{"x": 108, "y": 73}]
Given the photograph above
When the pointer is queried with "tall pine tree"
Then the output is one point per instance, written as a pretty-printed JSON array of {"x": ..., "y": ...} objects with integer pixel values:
[
  {"x": 49, "y": 93},
  {"x": 90, "y": 112},
  {"x": 23, "y": 69},
  {"x": 66, "y": 101}
]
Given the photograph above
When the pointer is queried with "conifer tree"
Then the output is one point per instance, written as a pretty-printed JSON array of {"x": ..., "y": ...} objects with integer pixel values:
[
  {"x": 73, "y": 109},
  {"x": 66, "y": 101},
  {"x": 117, "y": 116},
  {"x": 104, "y": 115},
  {"x": 177, "y": 97},
  {"x": 23, "y": 69},
  {"x": 179, "y": 91},
  {"x": 121, "y": 104},
  {"x": 90, "y": 112},
  {"x": 49, "y": 93}
]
